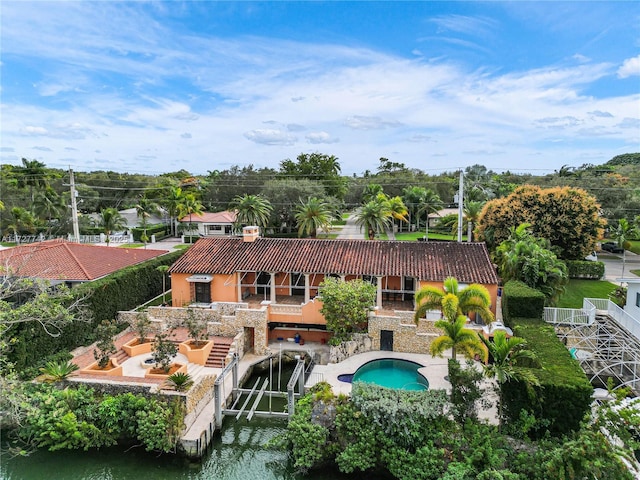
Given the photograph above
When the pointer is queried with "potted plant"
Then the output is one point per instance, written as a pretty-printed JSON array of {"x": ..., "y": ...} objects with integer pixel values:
[
  {"x": 104, "y": 364},
  {"x": 199, "y": 346},
  {"x": 180, "y": 381},
  {"x": 141, "y": 344},
  {"x": 105, "y": 346},
  {"x": 164, "y": 350}
]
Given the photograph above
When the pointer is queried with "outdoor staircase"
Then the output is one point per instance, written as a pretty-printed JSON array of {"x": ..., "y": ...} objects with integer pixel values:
[
  {"x": 121, "y": 356},
  {"x": 218, "y": 354}
]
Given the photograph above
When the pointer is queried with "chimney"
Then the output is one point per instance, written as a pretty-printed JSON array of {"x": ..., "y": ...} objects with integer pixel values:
[{"x": 250, "y": 233}]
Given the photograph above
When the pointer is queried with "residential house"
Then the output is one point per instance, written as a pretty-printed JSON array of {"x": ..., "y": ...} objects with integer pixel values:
[
  {"x": 61, "y": 261},
  {"x": 281, "y": 276},
  {"x": 632, "y": 307},
  {"x": 211, "y": 223}
]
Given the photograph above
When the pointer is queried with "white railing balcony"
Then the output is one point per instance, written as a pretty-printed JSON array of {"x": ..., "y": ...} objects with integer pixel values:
[{"x": 569, "y": 316}]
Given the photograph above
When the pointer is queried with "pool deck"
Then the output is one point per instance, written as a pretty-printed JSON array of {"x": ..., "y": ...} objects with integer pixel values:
[{"x": 435, "y": 370}]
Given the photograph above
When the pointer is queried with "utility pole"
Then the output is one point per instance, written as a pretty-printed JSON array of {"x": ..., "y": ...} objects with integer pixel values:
[
  {"x": 74, "y": 208},
  {"x": 460, "y": 206}
]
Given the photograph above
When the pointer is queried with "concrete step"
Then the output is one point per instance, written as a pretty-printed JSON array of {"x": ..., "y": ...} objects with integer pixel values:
[{"x": 121, "y": 356}]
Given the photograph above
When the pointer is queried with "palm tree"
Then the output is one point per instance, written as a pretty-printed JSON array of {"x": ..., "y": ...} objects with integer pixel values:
[
  {"x": 313, "y": 215},
  {"x": 505, "y": 353},
  {"x": 412, "y": 197},
  {"x": 172, "y": 203},
  {"x": 374, "y": 216},
  {"x": 163, "y": 269},
  {"x": 251, "y": 210},
  {"x": 622, "y": 235},
  {"x": 48, "y": 205},
  {"x": 455, "y": 336},
  {"x": 190, "y": 205},
  {"x": 21, "y": 220},
  {"x": 397, "y": 209},
  {"x": 474, "y": 298},
  {"x": 429, "y": 203},
  {"x": 144, "y": 209},
  {"x": 471, "y": 213},
  {"x": 371, "y": 192},
  {"x": 31, "y": 174},
  {"x": 110, "y": 220}
]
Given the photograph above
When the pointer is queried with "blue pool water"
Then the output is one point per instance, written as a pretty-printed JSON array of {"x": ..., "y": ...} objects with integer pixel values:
[{"x": 391, "y": 373}]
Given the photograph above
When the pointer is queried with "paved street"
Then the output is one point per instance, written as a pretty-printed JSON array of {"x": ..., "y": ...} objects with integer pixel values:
[{"x": 613, "y": 265}]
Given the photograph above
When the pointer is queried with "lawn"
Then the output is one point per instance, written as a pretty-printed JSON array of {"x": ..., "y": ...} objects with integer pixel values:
[
  {"x": 635, "y": 246},
  {"x": 635, "y": 272},
  {"x": 579, "y": 289},
  {"x": 413, "y": 236}
]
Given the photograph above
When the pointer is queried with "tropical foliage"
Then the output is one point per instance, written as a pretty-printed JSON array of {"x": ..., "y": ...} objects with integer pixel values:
[
  {"x": 568, "y": 217},
  {"x": 109, "y": 221},
  {"x": 456, "y": 337},
  {"x": 251, "y": 210},
  {"x": 528, "y": 259},
  {"x": 346, "y": 306},
  {"x": 473, "y": 298},
  {"x": 313, "y": 215},
  {"x": 411, "y": 436}
]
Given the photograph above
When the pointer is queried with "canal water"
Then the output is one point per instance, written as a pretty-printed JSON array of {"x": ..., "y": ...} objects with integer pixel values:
[{"x": 238, "y": 452}]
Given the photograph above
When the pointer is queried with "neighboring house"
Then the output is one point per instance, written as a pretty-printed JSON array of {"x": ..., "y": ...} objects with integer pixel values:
[
  {"x": 282, "y": 276},
  {"x": 435, "y": 217},
  {"x": 132, "y": 219},
  {"x": 60, "y": 261},
  {"x": 211, "y": 223},
  {"x": 632, "y": 306}
]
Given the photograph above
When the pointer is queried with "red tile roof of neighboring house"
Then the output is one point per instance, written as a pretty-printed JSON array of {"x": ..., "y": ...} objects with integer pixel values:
[
  {"x": 63, "y": 260},
  {"x": 427, "y": 261},
  {"x": 211, "y": 217}
]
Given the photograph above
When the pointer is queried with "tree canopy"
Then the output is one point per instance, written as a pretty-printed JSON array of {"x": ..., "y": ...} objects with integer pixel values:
[
  {"x": 346, "y": 305},
  {"x": 568, "y": 217}
]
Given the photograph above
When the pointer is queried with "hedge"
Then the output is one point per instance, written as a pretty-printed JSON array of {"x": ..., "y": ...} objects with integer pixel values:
[
  {"x": 122, "y": 290},
  {"x": 160, "y": 231},
  {"x": 520, "y": 300},
  {"x": 563, "y": 398},
  {"x": 585, "y": 269}
]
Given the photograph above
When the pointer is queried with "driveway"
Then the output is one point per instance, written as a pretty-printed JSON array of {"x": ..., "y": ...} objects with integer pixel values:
[
  {"x": 613, "y": 265},
  {"x": 351, "y": 230}
]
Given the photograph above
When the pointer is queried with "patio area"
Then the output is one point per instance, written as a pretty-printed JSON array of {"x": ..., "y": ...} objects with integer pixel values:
[{"x": 434, "y": 370}]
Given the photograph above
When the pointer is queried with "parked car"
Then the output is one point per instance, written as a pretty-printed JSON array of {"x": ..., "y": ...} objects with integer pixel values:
[
  {"x": 592, "y": 257},
  {"x": 611, "y": 247}
]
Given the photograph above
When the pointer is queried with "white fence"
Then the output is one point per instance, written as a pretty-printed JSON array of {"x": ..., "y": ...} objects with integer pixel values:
[
  {"x": 571, "y": 316},
  {"x": 587, "y": 314}
]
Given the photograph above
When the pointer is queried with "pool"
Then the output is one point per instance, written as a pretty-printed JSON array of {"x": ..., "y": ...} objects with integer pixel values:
[{"x": 390, "y": 373}]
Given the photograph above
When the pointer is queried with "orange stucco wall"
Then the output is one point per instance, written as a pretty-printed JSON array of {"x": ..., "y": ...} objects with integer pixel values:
[
  {"x": 180, "y": 289},
  {"x": 224, "y": 288},
  {"x": 282, "y": 284}
]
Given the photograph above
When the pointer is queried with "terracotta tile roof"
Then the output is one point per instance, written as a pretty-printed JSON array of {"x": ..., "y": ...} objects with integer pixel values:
[
  {"x": 211, "y": 217},
  {"x": 427, "y": 261},
  {"x": 62, "y": 260}
]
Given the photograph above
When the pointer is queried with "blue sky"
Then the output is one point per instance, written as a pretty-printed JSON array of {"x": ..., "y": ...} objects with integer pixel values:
[{"x": 154, "y": 87}]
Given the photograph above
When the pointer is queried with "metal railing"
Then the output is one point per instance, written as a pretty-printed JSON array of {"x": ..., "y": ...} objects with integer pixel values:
[{"x": 570, "y": 316}]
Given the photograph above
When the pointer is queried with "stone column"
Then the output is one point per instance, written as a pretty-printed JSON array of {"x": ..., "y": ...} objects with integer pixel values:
[
  {"x": 273, "y": 288},
  {"x": 307, "y": 292},
  {"x": 239, "y": 279},
  {"x": 379, "y": 292}
]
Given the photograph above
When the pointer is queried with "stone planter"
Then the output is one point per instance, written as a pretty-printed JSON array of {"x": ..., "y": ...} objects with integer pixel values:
[
  {"x": 197, "y": 355},
  {"x": 112, "y": 369},
  {"x": 175, "y": 368},
  {"x": 133, "y": 347}
]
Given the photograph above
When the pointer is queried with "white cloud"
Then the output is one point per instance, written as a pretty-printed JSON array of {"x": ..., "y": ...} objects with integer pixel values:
[
  {"x": 362, "y": 122},
  {"x": 630, "y": 67},
  {"x": 186, "y": 135},
  {"x": 270, "y": 137},
  {"x": 321, "y": 137}
]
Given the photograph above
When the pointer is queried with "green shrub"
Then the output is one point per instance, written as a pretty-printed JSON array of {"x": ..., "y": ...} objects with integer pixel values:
[
  {"x": 563, "y": 397},
  {"x": 520, "y": 300},
  {"x": 585, "y": 269},
  {"x": 160, "y": 231}
]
